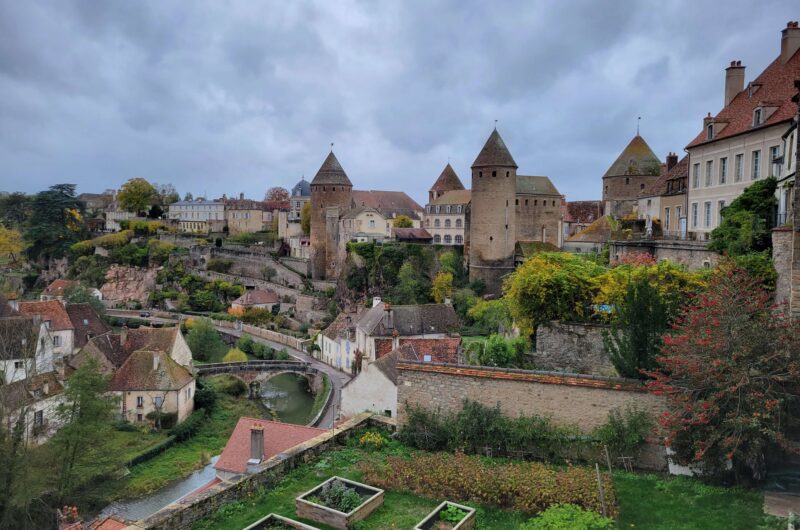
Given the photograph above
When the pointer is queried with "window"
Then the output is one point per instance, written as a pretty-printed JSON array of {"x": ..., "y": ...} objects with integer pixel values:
[
  {"x": 458, "y": 209},
  {"x": 139, "y": 402},
  {"x": 447, "y": 208},
  {"x": 695, "y": 175},
  {"x": 627, "y": 180},
  {"x": 694, "y": 215},
  {"x": 437, "y": 238},
  {"x": 709, "y": 131},
  {"x": 774, "y": 153},
  {"x": 372, "y": 223},
  {"x": 18, "y": 365},
  {"x": 494, "y": 173},
  {"x": 678, "y": 212},
  {"x": 723, "y": 170},
  {"x": 448, "y": 239},
  {"x": 757, "y": 116},
  {"x": 756, "y": 164},
  {"x": 641, "y": 187},
  {"x": 458, "y": 223},
  {"x": 57, "y": 341},
  {"x": 436, "y": 223},
  {"x": 720, "y": 206},
  {"x": 427, "y": 222},
  {"x": 707, "y": 214},
  {"x": 737, "y": 168},
  {"x": 139, "y": 418},
  {"x": 447, "y": 223},
  {"x": 649, "y": 202},
  {"x": 666, "y": 218},
  {"x": 709, "y": 169},
  {"x": 38, "y": 418},
  {"x": 426, "y": 358},
  {"x": 459, "y": 240},
  {"x": 438, "y": 209},
  {"x": 429, "y": 208}
]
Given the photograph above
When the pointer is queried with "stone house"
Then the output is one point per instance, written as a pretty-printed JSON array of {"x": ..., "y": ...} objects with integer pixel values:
[
  {"x": 743, "y": 142},
  {"x": 55, "y": 291},
  {"x": 445, "y": 217},
  {"x": 412, "y": 235},
  {"x": 254, "y": 441},
  {"x": 149, "y": 381},
  {"x": 114, "y": 215},
  {"x": 256, "y": 298},
  {"x": 199, "y": 215},
  {"x": 362, "y": 225},
  {"x": 246, "y": 215},
  {"x": 55, "y": 317},
  {"x": 337, "y": 342},
  {"x": 26, "y": 348},
  {"x": 36, "y": 399},
  {"x": 649, "y": 203},
  {"x": 300, "y": 195},
  {"x": 592, "y": 238},
  {"x": 86, "y": 323},
  {"x": 673, "y": 201},
  {"x": 636, "y": 168}
]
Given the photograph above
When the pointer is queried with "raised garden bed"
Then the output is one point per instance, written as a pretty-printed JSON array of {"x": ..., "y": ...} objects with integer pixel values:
[
  {"x": 339, "y": 502},
  {"x": 448, "y": 516},
  {"x": 278, "y": 522}
]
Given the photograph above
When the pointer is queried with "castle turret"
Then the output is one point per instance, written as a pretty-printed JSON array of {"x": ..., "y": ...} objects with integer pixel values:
[
  {"x": 447, "y": 181},
  {"x": 331, "y": 194},
  {"x": 492, "y": 224}
]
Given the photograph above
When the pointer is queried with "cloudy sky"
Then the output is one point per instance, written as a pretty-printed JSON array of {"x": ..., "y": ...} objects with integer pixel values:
[{"x": 237, "y": 96}]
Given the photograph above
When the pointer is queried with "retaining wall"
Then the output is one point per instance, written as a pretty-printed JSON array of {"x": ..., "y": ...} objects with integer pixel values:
[{"x": 572, "y": 347}]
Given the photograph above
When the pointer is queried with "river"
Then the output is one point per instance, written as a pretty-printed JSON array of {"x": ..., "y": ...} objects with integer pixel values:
[{"x": 287, "y": 395}]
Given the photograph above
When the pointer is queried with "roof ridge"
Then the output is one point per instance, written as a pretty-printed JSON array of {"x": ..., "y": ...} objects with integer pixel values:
[
  {"x": 494, "y": 153},
  {"x": 331, "y": 172}
]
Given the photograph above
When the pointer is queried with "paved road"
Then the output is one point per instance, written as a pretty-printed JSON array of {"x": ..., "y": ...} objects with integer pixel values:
[{"x": 338, "y": 379}]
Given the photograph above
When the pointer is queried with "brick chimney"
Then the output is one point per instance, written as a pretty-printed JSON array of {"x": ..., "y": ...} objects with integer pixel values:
[
  {"x": 790, "y": 41},
  {"x": 256, "y": 444},
  {"x": 734, "y": 81},
  {"x": 672, "y": 160}
]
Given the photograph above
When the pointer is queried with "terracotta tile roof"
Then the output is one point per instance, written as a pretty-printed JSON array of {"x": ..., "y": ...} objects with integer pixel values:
[
  {"x": 56, "y": 287},
  {"x": 494, "y": 153},
  {"x": 86, "y": 322},
  {"x": 51, "y": 310},
  {"x": 775, "y": 88},
  {"x": 444, "y": 350},
  {"x": 535, "y": 185},
  {"x": 331, "y": 172},
  {"x": 389, "y": 203},
  {"x": 412, "y": 234},
  {"x": 142, "y": 338},
  {"x": 636, "y": 159},
  {"x": 410, "y": 320},
  {"x": 109, "y": 523},
  {"x": 18, "y": 337},
  {"x": 448, "y": 180},
  {"x": 108, "y": 345},
  {"x": 140, "y": 372},
  {"x": 338, "y": 328},
  {"x": 454, "y": 197},
  {"x": 583, "y": 211},
  {"x": 28, "y": 391},
  {"x": 278, "y": 437},
  {"x": 678, "y": 172},
  {"x": 257, "y": 297},
  {"x": 597, "y": 232}
]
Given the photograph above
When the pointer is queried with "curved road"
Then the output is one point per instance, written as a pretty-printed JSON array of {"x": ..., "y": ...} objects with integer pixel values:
[{"x": 337, "y": 378}]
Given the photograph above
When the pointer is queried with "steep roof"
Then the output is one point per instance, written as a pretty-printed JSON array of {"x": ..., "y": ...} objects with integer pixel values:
[
  {"x": 410, "y": 320},
  {"x": 597, "y": 232},
  {"x": 86, "y": 322},
  {"x": 453, "y": 197},
  {"x": 658, "y": 187},
  {"x": 583, "y": 211},
  {"x": 352, "y": 213},
  {"x": 302, "y": 189},
  {"x": 140, "y": 372},
  {"x": 494, "y": 153},
  {"x": 447, "y": 181},
  {"x": 636, "y": 159},
  {"x": 536, "y": 185},
  {"x": 278, "y": 437},
  {"x": 142, "y": 338},
  {"x": 331, "y": 172},
  {"x": 56, "y": 287},
  {"x": 389, "y": 203},
  {"x": 31, "y": 390},
  {"x": 51, "y": 310},
  {"x": 18, "y": 337},
  {"x": 256, "y": 297},
  {"x": 774, "y": 87}
]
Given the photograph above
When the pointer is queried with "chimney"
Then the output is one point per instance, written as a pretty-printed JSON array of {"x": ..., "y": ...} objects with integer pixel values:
[
  {"x": 790, "y": 41},
  {"x": 376, "y": 300},
  {"x": 256, "y": 444},
  {"x": 672, "y": 160},
  {"x": 734, "y": 81},
  {"x": 123, "y": 336}
]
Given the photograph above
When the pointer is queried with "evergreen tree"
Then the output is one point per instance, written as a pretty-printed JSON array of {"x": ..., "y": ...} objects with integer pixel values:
[
  {"x": 747, "y": 221},
  {"x": 204, "y": 341},
  {"x": 56, "y": 222}
]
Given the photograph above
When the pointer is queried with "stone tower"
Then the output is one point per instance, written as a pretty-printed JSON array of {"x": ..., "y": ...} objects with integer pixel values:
[
  {"x": 634, "y": 170},
  {"x": 447, "y": 181},
  {"x": 331, "y": 194},
  {"x": 492, "y": 223}
]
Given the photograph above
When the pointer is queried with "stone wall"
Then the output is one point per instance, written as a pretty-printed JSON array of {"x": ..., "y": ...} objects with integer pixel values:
[
  {"x": 782, "y": 239},
  {"x": 579, "y": 400},
  {"x": 251, "y": 264},
  {"x": 572, "y": 347},
  {"x": 691, "y": 254},
  {"x": 538, "y": 218}
]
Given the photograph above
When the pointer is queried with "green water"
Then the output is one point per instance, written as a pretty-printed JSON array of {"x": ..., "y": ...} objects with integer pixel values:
[{"x": 289, "y": 397}]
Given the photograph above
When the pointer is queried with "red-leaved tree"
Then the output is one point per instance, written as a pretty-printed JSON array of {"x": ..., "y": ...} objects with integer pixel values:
[{"x": 730, "y": 370}]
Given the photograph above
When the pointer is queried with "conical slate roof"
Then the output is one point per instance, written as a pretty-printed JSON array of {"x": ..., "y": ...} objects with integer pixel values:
[
  {"x": 447, "y": 181},
  {"x": 331, "y": 172},
  {"x": 636, "y": 159},
  {"x": 494, "y": 153}
]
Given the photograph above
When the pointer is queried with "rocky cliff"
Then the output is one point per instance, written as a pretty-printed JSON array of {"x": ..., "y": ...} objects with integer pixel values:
[{"x": 128, "y": 283}]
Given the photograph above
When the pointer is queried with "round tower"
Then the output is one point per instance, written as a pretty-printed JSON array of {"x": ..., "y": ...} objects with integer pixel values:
[
  {"x": 331, "y": 194},
  {"x": 492, "y": 224}
]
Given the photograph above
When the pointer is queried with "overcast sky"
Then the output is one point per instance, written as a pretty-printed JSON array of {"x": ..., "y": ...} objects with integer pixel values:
[{"x": 237, "y": 96}]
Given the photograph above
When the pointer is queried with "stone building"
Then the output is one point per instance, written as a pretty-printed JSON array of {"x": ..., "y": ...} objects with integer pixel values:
[
  {"x": 636, "y": 168},
  {"x": 247, "y": 215},
  {"x": 506, "y": 208},
  {"x": 445, "y": 213},
  {"x": 743, "y": 142},
  {"x": 300, "y": 195},
  {"x": 649, "y": 203},
  {"x": 578, "y": 215},
  {"x": 673, "y": 200},
  {"x": 199, "y": 215}
]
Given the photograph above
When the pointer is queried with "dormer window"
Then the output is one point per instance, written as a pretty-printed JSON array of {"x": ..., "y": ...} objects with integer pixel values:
[
  {"x": 710, "y": 131},
  {"x": 758, "y": 116}
]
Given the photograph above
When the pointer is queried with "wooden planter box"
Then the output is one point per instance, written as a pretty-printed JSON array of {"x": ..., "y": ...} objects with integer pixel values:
[
  {"x": 430, "y": 521},
  {"x": 275, "y": 518},
  {"x": 322, "y": 514}
]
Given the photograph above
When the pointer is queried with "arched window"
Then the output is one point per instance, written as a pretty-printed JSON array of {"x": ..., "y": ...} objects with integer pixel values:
[
  {"x": 458, "y": 209},
  {"x": 448, "y": 240},
  {"x": 427, "y": 222},
  {"x": 458, "y": 224},
  {"x": 459, "y": 240},
  {"x": 447, "y": 208},
  {"x": 447, "y": 223},
  {"x": 437, "y": 238},
  {"x": 436, "y": 223}
]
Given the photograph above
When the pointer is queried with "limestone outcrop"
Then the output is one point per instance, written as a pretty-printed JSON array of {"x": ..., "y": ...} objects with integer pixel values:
[{"x": 128, "y": 283}]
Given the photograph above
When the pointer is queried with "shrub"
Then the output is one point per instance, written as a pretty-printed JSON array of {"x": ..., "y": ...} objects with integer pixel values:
[
  {"x": 235, "y": 355},
  {"x": 125, "y": 426},
  {"x": 568, "y": 517},
  {"x": 262, "y": 351},
  {"x": 245, "y": 343},
  {"x": 526, "y": 486},
  {"x": 190, "y": 426},
  {"x": 233, "y": 387},
  {"x": 337, "y": 495},
  {"x": 372, "y": 440},
  {"x": 626, "y": 429},
  {"x": 219, "y": 265},
  {"x": 168, "y": 419},
  {"x": 281, "y": 355},
  {"x": 204, "y": 397}
]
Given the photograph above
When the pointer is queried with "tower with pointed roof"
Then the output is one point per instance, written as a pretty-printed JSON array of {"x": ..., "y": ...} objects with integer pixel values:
[
  {"x": 634, "y": 170},
  {"x": 331, "y": 194},
  {"x": 492, "y": 218}
]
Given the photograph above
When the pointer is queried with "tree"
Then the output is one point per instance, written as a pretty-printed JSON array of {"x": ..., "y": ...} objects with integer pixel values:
[
  {"x": 188, "y": 196},
  {"x": 56, "y": 222},
  {"x": 268, "y": 272},
  {"x": 136, "y": 196},
  {"x": 167, "y": 194},
  {"x": 155, "y": 212},
  {"x": 442, "y": 287},
  {"x": 406, "y": 290},
  {"x": 747, "y": 221},
  {"x": 305, "y": 218},
  {"x": 78, "y": 294},
  {"x": 11, "y": 243},
  {"x": 277, "y": 194},
  {"x": 498, "y": 351},
  {"x": 730, "y": 371},
  {"x": 634, "y": 340},
  {"x": 15, "y": 209},
  {"x": 235, "y": 355},
  {"x": 204, "y": 341},
  {"x": 86, "y": 417},
  {"x": 403, "y": 221},
  {"x": 550, "y": 286}
]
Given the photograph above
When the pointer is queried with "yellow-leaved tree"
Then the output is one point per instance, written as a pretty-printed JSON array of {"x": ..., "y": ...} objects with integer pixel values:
[
  {"x": 442, "y": 286},
  {"x": 11, "y": 244}
]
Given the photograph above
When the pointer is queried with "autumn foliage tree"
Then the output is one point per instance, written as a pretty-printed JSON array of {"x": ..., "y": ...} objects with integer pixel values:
[
  {"x": 730, "y": 370},
  {"x": 137, "y": 195},
  {"x": 277, "y": 194}
]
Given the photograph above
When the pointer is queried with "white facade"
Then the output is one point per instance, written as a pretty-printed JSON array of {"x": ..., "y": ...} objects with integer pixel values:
[
  {"x": 339, "y": 352},
  {"x": 21, "y": 368},
  {"x": 198, "y": 216},
  {"x": 115, "y": 216},
  {"x": 371, "y": 390}
]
